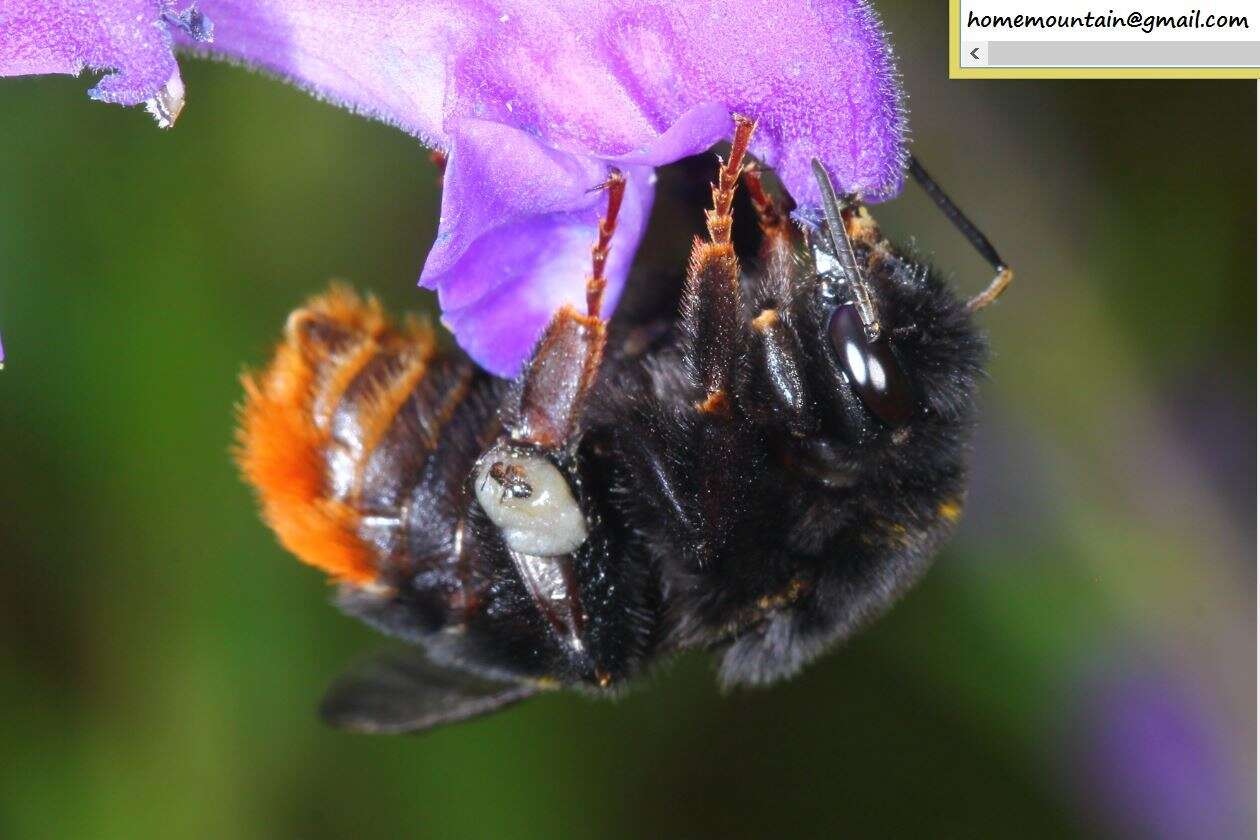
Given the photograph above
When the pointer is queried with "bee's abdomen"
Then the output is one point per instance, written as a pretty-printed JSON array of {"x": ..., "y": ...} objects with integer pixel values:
[{"x": 339, "y": 434}]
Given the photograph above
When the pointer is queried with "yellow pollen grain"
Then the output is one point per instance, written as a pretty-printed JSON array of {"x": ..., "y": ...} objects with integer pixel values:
[
  {"x": 950, "y": 510},
  {"x": 767, "y": 319},
  {"x": 715, "y": 404}
]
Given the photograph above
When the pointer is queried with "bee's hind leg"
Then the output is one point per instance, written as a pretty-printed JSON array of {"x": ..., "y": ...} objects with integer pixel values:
[{"x": 544, "y": 409}]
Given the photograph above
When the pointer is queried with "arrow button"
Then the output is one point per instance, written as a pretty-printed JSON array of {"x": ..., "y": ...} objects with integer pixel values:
[{"x": 975, "y": 54}]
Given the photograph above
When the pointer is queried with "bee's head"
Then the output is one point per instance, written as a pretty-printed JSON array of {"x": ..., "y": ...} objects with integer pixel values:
[{"x": 895, "y": 354}]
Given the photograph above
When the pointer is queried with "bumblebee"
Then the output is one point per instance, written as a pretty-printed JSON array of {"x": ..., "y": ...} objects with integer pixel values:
[{"x": 759, "y": 477}]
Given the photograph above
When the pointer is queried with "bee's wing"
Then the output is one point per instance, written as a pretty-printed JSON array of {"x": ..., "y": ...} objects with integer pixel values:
[{"x": 406, "y": 691}]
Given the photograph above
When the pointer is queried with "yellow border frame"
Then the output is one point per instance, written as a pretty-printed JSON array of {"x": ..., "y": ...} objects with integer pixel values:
[{"x": 957, "y": 71}]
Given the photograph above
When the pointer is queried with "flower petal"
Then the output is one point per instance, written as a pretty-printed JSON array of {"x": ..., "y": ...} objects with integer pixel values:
[
  {"x": 603, "y": 79},
  {"x": 132, "y": 38},
  {"x": 518, "y": 222},
  {"x": 637, "y": 82}
]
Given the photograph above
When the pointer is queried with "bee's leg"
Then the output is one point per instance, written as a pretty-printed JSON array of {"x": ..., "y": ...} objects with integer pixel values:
[
  {"x": 528, "y": 483},
  {"x": 800, "y": 623},
  {"x": 778, "y": 237},
  {"x": 543, "y": 410},
  {"x": 777, "y": 357},
  {"x": 773, "y": 285},
  {"x": 438, "y": 158},
  {"x": 714, "y": 467},
  {"x": 712, "y": 305}
]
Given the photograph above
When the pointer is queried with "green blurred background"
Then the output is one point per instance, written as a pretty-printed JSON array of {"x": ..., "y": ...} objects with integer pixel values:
[{"x": 1081, "y": 661}]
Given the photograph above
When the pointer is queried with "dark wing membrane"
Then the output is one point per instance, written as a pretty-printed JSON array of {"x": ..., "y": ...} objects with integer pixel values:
[{"x": 405, "y": 691}]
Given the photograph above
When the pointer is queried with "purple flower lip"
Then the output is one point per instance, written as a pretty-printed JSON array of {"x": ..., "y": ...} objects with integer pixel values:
[{"x": 533, "y": 102}]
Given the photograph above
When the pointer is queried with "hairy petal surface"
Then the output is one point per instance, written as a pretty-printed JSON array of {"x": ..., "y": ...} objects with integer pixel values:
[
  {"x": 572, "y": 86},
  {"x": 132, "y": 39}
]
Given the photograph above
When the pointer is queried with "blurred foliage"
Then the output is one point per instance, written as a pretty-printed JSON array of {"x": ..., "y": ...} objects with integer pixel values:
[{"x": 160, "y": 655}]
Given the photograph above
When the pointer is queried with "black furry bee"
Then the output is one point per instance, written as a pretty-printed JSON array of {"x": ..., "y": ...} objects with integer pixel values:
[{"x": 759, "y": 478}]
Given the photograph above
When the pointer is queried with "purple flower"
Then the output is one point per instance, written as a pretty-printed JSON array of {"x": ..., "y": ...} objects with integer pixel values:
[
  {"x": 532, "y": 101},
  {"x": 1152, "y": 758}
]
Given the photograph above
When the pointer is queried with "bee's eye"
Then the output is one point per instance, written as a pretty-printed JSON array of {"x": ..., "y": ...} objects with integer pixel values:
[
  {"x": 871, "y": 367},
  {"x": 530, "y": 501}
]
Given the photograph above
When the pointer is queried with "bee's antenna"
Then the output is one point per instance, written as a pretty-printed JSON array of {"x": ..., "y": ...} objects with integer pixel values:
[
  {"x": 842, "y": 250},
  {"x": 968, "y": 229}
]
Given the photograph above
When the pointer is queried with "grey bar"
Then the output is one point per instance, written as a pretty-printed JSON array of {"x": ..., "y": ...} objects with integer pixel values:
[{"x": 1124, "y": 54}]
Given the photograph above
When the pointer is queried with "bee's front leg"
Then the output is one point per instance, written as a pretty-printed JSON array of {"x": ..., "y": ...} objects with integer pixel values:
[{"x": 779, "y": 395}]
